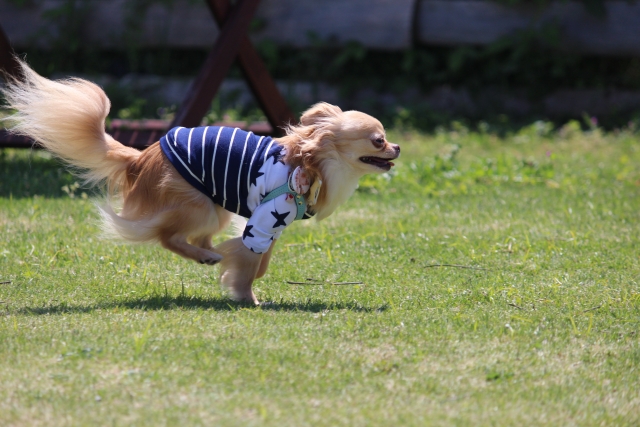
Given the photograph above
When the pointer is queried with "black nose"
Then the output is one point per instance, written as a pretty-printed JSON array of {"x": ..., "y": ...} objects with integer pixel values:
[{"x": 397, "y": 148}]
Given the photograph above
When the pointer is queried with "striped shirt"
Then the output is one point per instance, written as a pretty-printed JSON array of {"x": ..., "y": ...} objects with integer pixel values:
[{"x": 235, "y": 169}]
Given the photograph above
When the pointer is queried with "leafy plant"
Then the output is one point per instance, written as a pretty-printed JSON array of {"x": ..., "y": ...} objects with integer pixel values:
[{"x": 529, "y": 62}]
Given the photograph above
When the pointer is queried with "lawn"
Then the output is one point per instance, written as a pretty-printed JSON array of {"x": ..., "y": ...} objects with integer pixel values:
[{"x": 500, "y": 286}]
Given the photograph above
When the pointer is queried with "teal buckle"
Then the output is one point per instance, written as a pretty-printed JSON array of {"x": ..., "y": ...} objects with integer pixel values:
[{"x": 301, "y": 203}]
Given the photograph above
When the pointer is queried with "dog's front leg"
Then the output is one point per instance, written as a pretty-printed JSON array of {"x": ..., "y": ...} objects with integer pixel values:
[
  {"x": 264, "y": 262},
  {"x": 238, "y": 269}
]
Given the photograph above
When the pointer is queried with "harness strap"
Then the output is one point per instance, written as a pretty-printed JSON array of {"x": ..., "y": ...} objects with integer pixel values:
[{"x": 301, "y": 203}]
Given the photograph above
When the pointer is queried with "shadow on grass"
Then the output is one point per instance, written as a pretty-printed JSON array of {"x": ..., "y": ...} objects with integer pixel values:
[
  {"x": 26, "y": 173},
  {"x": 198, "y": 303}
]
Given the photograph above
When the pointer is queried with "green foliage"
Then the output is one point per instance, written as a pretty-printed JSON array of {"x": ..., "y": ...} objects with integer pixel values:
[
  {"x": 67, "y": 36},
  {"x": 442, "y": 174},
  {"x": 528, "y": 62},
  {"x": 528, "y": 58},
  {"x": 133, "y": 11},
  {"x": 133, "y": 111}
]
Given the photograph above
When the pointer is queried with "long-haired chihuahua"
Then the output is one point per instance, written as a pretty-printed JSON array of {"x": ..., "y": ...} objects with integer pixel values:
[{"x": 188, "y": 186}]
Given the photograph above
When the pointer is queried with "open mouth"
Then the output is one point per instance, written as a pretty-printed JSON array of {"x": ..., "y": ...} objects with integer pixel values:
[{"x": 378, "y": 162}]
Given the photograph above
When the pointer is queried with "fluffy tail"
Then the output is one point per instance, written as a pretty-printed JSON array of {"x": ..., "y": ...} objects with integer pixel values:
[
  {"x": 238, "y": 224},
  {"x": 68, "y": 118},
  {"x": 116, "y": 227}
]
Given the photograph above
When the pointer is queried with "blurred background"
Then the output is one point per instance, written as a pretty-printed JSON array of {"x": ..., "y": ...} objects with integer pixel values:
[{"x": 413, "y": 63}]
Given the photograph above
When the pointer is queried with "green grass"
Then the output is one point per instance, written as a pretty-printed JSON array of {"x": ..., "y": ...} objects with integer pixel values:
[{"x": 542, "y": 331}]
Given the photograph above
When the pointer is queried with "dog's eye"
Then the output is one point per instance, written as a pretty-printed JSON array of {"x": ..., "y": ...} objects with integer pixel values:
[{"x": 378, "y": 142}]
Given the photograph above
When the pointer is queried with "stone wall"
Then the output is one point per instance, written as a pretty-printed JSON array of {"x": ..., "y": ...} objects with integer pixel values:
[{"x": 376, "y": 24}]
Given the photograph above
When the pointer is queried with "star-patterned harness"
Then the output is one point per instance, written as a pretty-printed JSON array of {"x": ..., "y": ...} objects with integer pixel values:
[{"x": 299, "y": 200}]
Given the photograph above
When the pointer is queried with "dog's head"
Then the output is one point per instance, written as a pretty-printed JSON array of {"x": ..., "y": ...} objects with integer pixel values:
[
  {"x": 354, "y": 138},
  {"x": 338, "y": 147}
]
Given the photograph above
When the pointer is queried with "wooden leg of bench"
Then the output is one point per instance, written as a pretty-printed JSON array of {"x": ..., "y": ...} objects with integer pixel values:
[
  {"x": 8, "y": 61},
  {"x": 225, "y": 50},
  {"x": 264, "y": 88},
  {"x": 255, "y": 71}
]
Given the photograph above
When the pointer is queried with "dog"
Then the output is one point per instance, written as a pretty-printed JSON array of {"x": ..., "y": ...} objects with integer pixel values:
[{"x": 187, "y": 187}]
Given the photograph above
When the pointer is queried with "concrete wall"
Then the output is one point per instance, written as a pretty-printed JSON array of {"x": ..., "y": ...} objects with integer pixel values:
[
  {"x": 377, "y": 24},
  {"x": 446, "y": 22}
]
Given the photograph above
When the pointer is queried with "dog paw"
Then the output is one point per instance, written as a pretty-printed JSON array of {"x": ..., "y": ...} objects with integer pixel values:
[
  {"x": 213, "y": 259},
  {"x": 247, "y": 298}
]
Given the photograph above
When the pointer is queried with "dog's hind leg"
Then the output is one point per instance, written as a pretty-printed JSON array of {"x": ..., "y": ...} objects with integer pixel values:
[
  {"x": 171, "y": 228},
  {"x": 178, "y": 243},
  {"x": 204, "y": 240},
  {"x": 160, "y": 205},
  {"x": 188, "y": 231}
]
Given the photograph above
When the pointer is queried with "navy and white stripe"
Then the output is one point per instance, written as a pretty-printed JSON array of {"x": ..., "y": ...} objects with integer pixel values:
[
  {"x": 236, "y": 169},
  {"x": 223, "y": 165}
]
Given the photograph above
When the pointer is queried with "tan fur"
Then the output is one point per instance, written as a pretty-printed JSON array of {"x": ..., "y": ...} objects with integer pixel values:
[{"x": 67, "y": 117}]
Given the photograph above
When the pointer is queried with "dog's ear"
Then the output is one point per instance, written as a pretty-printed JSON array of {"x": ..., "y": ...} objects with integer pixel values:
[{"x": 319, "y": 112}]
